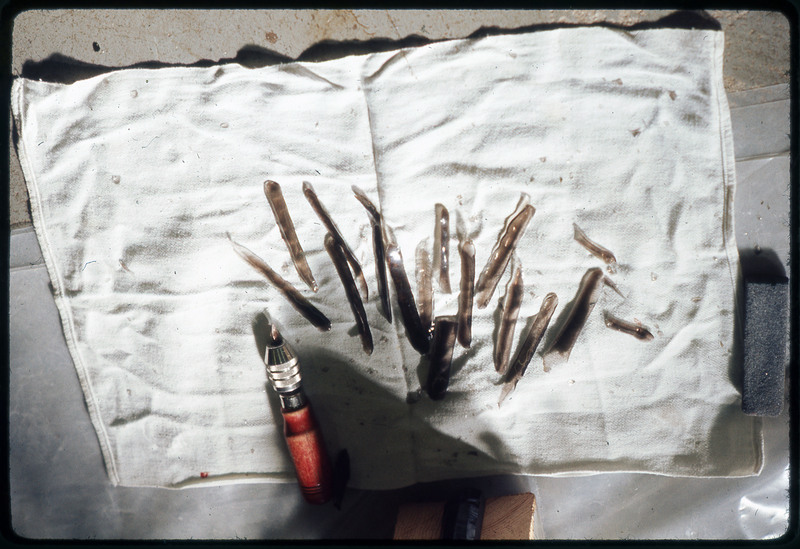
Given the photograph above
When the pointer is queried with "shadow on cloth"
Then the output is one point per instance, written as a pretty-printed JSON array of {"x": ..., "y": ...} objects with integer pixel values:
[
  {"x": 346, "y": 401},
  {"x": 357, "y": 413}
]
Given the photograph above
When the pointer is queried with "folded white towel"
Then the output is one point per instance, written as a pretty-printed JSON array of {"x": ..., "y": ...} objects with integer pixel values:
[{"x": 136, "y": 176}]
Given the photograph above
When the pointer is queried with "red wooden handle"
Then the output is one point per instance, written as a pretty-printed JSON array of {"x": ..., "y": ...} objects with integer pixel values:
[{"x": 310, "y": 459}]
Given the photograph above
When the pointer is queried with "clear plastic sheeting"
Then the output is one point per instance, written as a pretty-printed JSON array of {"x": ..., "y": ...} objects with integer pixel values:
[
  {"x": 628, "y": 506},
  {"x": 59, "y": 488}
]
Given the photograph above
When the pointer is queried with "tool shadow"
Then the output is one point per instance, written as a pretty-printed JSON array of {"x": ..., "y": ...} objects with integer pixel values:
[{"x": 390, "y": 441}]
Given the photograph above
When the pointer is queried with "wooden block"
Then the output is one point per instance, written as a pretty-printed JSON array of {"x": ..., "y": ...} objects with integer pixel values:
[
  {"x": 504, "y": 517},
  {"x": 419, "y": 521},
  {"x": 509, "y": 517}
]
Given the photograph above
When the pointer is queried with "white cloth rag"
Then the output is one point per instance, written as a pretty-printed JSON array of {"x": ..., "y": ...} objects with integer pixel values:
[{"x": 136, "y": 176}]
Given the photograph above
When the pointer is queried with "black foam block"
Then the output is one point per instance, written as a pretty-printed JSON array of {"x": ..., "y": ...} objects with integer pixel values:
[{"x": 765, "y": 329}]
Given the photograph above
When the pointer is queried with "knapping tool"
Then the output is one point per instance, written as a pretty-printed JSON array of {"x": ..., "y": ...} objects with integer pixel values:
[{"x": 303, "y": 435}]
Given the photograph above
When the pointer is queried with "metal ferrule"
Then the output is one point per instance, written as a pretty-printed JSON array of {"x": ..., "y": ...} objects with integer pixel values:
[
  {"x": 283, "y": 369},
  {"x": 293, "y": 401}
]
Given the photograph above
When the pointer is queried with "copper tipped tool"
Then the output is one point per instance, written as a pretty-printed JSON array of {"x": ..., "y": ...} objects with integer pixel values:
[{"x": 300, "y": 428}]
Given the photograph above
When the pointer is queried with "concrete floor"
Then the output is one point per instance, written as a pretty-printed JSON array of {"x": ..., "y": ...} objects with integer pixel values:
[{"x": 756, "y": 42}]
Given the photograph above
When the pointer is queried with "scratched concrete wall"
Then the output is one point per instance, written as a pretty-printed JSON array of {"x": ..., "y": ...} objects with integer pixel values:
[{"x": 756, "y": 42}]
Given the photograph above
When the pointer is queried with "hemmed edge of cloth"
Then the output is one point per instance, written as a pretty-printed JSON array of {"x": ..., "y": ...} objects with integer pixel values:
[
  {"x": 62, "y": 303},
  {"x": 728, "y": 162}
]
